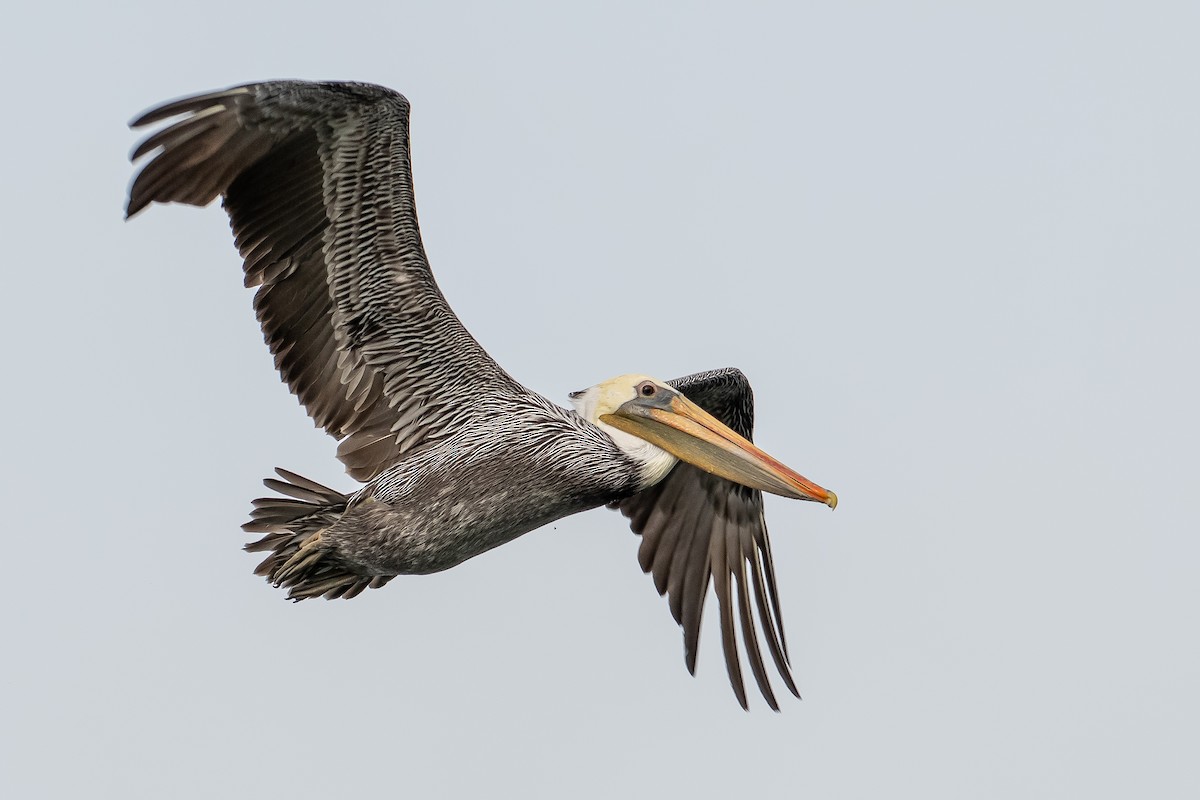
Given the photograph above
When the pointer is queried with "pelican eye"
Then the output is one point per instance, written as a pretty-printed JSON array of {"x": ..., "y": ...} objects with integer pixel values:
[{"x": 647, "y": 389}]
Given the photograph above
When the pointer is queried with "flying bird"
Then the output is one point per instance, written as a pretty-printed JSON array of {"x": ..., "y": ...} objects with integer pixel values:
[{"x": 456, "y": 457}]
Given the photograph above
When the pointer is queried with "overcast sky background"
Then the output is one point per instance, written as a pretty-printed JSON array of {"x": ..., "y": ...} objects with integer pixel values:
[{"x": 954, "y": 246}]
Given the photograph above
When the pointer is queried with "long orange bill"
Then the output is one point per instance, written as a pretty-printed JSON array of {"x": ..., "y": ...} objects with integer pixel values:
[{"x": 691, "y": 434}]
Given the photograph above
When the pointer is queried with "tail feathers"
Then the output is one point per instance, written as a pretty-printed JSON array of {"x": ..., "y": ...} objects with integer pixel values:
[{"x": 300, "y": 560}]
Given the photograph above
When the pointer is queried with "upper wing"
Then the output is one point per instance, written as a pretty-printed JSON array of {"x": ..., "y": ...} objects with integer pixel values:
[
  {"x": 318, "y": 186},
  {"x": 696, "y": 527}
]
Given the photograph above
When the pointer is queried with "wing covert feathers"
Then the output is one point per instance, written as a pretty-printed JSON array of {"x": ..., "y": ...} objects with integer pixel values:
[{"x": 317, "y": 182}]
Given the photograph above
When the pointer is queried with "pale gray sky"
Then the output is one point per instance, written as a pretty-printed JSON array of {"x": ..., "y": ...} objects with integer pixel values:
[{"x": 953, "y": 246}]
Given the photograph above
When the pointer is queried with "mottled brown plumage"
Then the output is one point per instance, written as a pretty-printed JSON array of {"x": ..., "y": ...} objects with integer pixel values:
[{"x": 456, "y": 456}]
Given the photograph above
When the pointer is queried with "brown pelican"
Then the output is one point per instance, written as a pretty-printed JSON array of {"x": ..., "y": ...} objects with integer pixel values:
[{"x": 456, "y": 456}]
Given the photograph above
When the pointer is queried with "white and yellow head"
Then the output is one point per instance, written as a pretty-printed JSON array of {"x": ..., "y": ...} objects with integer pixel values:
[
  {"x": 657, "y": 426},
  {"x": 603, "y": 400}
]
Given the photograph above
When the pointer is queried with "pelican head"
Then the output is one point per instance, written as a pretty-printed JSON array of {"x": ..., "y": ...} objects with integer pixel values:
[{"x": 657, "y": 425}]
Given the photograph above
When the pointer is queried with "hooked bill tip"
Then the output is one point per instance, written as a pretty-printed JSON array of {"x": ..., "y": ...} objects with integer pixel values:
[{"x": 832, "y": 501}]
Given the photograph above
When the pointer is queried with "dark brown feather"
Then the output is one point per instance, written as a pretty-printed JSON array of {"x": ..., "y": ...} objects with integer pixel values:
[
  {"x": 699, "y": 529},
  {"x": 317, "y": 183}
]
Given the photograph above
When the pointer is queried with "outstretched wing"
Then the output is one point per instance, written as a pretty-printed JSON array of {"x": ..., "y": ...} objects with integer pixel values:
[
  {"x": 318, "y": 186},
  {"x": 697, "y": 528}
]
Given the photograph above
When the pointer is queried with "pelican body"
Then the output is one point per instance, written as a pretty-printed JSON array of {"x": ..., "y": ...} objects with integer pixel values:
[
  {"x": 455, "y": 456},
  {"x": 419, "y": 517}
]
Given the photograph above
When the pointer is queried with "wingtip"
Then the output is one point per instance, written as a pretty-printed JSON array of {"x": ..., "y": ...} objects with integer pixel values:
[{"x": 134, "y": 206}]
